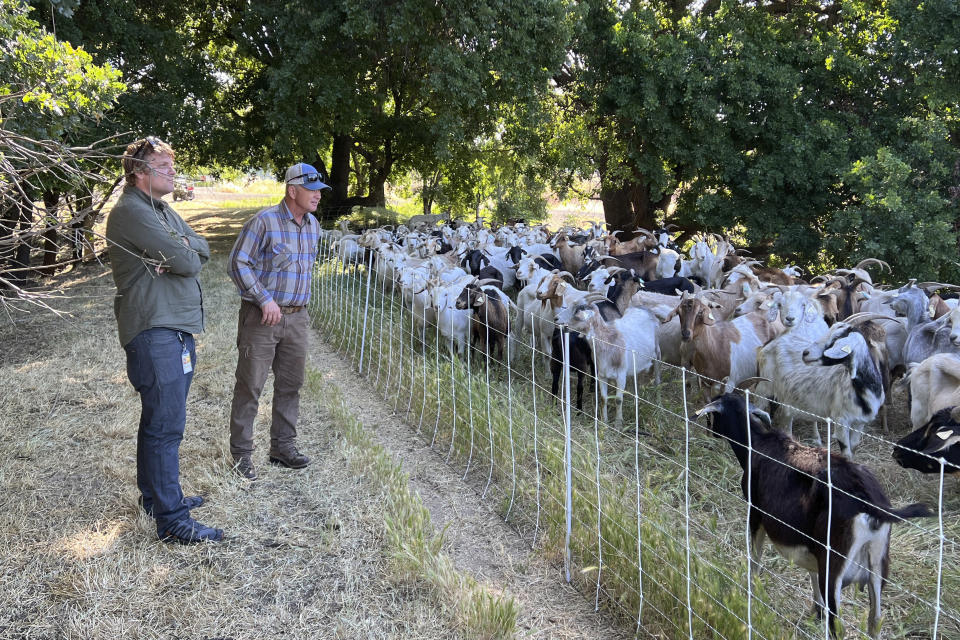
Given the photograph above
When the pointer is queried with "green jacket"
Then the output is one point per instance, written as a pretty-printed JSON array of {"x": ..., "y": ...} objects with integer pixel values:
[{"x": 141, "y": 228}]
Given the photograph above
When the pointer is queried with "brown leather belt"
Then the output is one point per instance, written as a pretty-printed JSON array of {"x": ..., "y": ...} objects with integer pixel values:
[{"x": 292, "y": 309}]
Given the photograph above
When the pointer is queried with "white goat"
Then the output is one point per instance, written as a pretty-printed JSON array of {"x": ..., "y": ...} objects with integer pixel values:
[
  {"x": 934, "y": 385},
  {"x": 622, "y": 348}
]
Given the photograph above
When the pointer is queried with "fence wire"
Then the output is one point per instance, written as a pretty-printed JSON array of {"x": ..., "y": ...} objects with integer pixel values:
[{"x": 646, "y": 516}]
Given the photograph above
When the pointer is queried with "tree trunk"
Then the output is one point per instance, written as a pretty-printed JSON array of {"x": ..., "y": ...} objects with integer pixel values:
[
  {"x": 627, "y": 205},
  {"x": 340, "y": 167},
  {"x": 16, "y": 253},
  {"x": 378, "y": 186},
  {"x": 51, "y": 248},
  {"x": 337, "y": 201}
]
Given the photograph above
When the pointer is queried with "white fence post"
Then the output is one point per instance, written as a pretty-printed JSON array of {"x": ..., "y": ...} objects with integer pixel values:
[
  {"x": 366, "y": 311},
  {"x": 568, "y": 453}
]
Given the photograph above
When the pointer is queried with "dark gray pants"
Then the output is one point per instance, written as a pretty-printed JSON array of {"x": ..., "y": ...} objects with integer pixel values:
[{"x": 281, "y": 348}]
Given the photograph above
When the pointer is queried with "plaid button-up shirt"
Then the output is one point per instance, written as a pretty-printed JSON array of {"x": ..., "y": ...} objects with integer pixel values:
[{"x": 273, "y": 257}]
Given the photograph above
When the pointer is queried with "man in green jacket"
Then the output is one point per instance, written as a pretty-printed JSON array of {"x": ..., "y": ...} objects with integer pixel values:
[{"x": 156, "y": 258}]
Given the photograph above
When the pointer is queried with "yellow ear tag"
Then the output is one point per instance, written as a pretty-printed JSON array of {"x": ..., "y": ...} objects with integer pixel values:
[
  {"x": 943, "y": 435},
  {"x": 561, "y": 287},
  {"x": 845, "y": 348},
  {"x": 710, "y": 315}
]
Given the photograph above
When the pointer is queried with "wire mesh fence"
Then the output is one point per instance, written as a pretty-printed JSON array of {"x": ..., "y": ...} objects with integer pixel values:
[{"x": 646, "y": 515}]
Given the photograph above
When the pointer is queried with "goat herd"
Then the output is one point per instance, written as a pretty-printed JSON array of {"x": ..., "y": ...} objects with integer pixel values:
[{"x": 830, "y": 347}]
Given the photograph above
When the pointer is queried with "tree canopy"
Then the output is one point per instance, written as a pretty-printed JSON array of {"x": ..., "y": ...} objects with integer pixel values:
[
  {"x": 817, "y": 132},
  {"x": 52, "y": 95}
]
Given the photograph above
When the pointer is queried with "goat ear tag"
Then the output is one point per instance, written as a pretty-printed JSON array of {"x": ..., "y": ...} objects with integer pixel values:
[
  {"x": 932, "y": 310},
  {"x": 943, "y": 435},
  {"x": 710, "y": 316},
  {"x": 561, "y": 287},
  {"x": 845, "y": 348}
]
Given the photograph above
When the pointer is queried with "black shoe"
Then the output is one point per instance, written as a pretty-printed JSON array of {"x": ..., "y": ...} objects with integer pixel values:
[
  {"x": 191, "y": 502},
  {"x": 243, "y": 467},
  {"x": 290, "y": 459},
  {"x": 189, "y": 531}
]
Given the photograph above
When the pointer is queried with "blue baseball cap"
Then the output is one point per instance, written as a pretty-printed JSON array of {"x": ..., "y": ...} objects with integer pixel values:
[{"x": 304, "y": 175}]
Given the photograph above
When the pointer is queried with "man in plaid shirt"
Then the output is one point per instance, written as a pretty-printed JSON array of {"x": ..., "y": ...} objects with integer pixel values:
[{"x": 271, "y": 264}]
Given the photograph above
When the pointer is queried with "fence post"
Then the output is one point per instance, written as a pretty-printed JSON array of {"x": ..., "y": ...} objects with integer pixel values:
[
  {"x": 513, "y": 458},
  {"x": 469, "y": 408},
  {"x": 366, "y": 311},
  {"x": 383, "y": 303},
  {"x": 536, "y": 452},
  {"x": 936, "y": 616},
  {"x": 749, "y": 471},
  {"x": 686, "y": 496},
  {"x": 596, "y": 438},
  {"x": 567, "y": 453},
  {"x": 486, "y": 333},
  {"x": 436, "y": 355},
  {"x": 413, "y": 361},
  {"x": 636, "y": 464},
  {"x": 825, "y": 594}
]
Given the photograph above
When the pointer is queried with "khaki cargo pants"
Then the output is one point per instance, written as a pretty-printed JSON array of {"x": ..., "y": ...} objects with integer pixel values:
[{"x": 281, "y": 348}]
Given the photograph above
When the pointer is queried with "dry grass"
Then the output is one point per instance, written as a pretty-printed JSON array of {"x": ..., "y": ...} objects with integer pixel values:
[{"x": 307, "y": 553}]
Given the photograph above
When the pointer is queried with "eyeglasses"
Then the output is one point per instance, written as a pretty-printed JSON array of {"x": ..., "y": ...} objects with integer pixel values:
[
  {"x": 308, "y": 178},
  {"x": 152, "y": 142}
]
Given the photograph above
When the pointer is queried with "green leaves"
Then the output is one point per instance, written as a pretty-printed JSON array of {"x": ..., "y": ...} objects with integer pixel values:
[{"x": 52, "y": 86}]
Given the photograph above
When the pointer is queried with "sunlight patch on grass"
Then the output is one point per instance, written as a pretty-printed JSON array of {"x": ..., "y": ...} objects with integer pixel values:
[{"x": 96, "y": 541}]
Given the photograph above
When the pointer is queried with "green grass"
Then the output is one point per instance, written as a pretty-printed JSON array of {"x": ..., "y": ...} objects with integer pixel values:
[{"x": 414, "y": 546}]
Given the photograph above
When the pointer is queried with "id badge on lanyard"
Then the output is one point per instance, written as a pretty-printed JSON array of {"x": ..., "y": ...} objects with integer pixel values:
[{"x": 185, "y": 356}]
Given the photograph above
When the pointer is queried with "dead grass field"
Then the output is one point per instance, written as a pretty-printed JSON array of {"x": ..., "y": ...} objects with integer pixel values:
[{"x": 306, "y": 554}]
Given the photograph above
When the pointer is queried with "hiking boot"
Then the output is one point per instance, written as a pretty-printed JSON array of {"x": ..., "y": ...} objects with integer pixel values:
[
  {"x": 189, "y": 531},
  {"x": 292, "y": 459},
  {"x": 243, "y": 467},
  {"x": 190, "y": 502}
]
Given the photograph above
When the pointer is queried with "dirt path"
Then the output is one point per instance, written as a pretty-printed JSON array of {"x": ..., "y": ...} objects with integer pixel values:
[{"x": 477, "y": 539}]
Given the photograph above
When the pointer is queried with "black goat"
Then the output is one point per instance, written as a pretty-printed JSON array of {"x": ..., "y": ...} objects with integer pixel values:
[
  {"x": 792, "y": 504},
  {"x": 668, "y": 286},
  {"x": 492, "y": 274},
  {"x": 939, "y": 438},
  {"x": 474, "y": 260},
  {"x": 549, "y": 262},
  {"x": 490, "y": 323},
  {"x": 581, "y": 361},
  {"x": 515, "y": 254}
]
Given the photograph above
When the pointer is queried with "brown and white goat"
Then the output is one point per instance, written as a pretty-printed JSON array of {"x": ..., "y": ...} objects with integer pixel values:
[
  {"x": 720, "y": 350},
  {"x": 490, "y": 324}
]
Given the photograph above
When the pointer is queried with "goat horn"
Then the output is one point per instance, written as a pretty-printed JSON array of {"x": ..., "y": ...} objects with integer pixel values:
[
  {"x": 751, "y": 382},
  {"x": 486, "y": 281},
  {"x": 930, "y": 287},
  {"x": 864, "y": 316},
  {"x": 613, "y": 270},
  {"x": 713, "y": 407},
  {"x": 568, "y": 275},
  {"x": 863, "y": 263}
]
